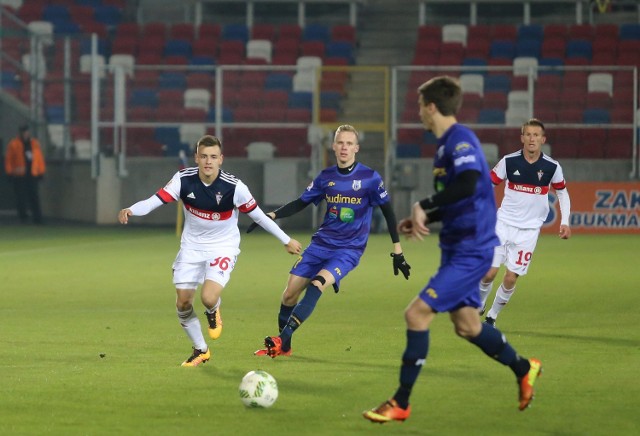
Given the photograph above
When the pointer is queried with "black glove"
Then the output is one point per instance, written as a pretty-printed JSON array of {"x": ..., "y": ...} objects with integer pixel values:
[
  {"x": 400, "y": 264},
  {"x": 254, "y": 224}
]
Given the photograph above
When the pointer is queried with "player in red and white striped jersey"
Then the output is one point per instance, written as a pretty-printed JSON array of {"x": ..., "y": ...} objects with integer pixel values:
[
  {"x": 528, "y": 175},
  {"x": 210, "y": 244}
]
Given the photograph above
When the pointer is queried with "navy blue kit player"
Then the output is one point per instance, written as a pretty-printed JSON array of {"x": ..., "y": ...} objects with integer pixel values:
[
  {"x": 464, "y": 202},
  {"x": 528, "y": 175},
  {"x": 351, "y": 190},
  {"x": 210, "y": 242}
]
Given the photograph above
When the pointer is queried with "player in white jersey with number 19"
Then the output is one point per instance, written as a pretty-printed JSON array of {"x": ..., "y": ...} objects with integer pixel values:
[
  {"x": 528, "y": 175},
  {"x": 210, "y": 240}
]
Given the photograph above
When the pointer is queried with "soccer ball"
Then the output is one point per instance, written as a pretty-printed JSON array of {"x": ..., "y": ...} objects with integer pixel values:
[{"x": 258, "y": 389}]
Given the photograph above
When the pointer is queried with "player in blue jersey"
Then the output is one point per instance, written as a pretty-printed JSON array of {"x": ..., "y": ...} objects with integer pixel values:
[
  {"x": 465, "y": 204},
  {"x": 351, "y": 191},
  {"x": 210, "y": 242}
]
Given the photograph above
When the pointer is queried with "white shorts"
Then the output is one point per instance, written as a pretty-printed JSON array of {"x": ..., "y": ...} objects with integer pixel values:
[
  {"x": 516, "y": 248},
  {"x": 192, "y": 267}
]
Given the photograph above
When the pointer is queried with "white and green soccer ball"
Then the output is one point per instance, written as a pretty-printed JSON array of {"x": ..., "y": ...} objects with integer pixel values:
[{"x": 258, "y": 389}]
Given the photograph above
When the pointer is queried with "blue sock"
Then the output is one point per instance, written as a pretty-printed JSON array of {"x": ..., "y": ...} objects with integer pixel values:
[
  {"x": 283, "y": 317},
  {"x": 412, "y": 361},
  {"x": 495, "y": 345},
  {"x": 301, "y": 312}
]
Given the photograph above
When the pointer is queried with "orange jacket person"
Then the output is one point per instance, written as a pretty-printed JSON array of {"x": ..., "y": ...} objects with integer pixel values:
[{"x": 24, "y": 163}]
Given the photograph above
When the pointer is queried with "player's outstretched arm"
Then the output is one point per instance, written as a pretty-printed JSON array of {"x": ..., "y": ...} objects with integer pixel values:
[
  {"x": 293, "y": 247},
  {"x": 123, "y": 216}
]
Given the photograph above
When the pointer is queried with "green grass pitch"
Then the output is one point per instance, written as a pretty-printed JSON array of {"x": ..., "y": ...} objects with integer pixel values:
[{"x": 90, "y": 342}]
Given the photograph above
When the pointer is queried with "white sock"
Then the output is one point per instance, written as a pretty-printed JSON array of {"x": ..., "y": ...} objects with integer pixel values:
[
  {"x": 502, "y": 298},
  {"x": 485, "y": 290},
  {"x": 191, "y": 325},
  {"x": 215, "y": 307}
]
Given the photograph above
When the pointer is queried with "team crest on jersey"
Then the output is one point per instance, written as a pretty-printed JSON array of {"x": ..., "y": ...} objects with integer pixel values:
[
  {"x": 540, "y": 174},
  {"x": 356, "y": 185},
  {"x": 218, "y": 197}
]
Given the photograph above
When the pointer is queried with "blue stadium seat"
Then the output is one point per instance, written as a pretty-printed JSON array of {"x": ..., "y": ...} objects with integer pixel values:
[
  {"x": 408, "y": 151},
  {"x": 55, "y": 114},
  {"x": 143, "y": 97},
  {"x": 167, "y": 135},
  {"x": 202, "y": 60},
  {"x": 630, "y": 31},
  {"x": 172, "y": 80},
  {"x": 316, "y": 32},
  {"x": 528, "y": 48},
  {"x": 340, "y": 49},
  {"x": 474, "y": 62},
  {"x": 235, "y": 31},
  {"x": 491, "y": 116},
  {"x": 177, "y": 47},
  {"x": 66, "y": 28},
  {"x": 596, "y": 116},
  {"x": 103, "y": 47},
  {"x": 10, "y": 80},
  {"x": 301, "y": 99},
  {"x": 227, "y": 115},
  {"x": 497, "y": 82},
  {"x": 56, "y": 14},
  {"x": 278, "y": 81},
  {"x": 531, "y": 31},
  {"x": 550, "y": 62},
  {"x": 108, "y": 15},
  {"x": 502, "y": 49},
  {"x": 330, "y": 100},
  {"x": 579, "y": 48}
]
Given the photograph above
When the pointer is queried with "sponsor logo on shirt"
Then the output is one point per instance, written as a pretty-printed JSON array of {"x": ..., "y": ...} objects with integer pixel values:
[
  {"x": 516, "y": 173},
  {"x": 192, "y": 195},
  {"x": 347, "y": 215},
  {"x": 339, "y": 198},
  {"x": 208, "y": 215},
  {"x": 463, "y": 160},
  {"x": 529, "y": 189}
]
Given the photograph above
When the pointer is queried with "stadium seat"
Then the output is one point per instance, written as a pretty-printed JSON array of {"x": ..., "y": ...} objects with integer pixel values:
[
  {"x": 126, "y": 61},
  {"x": 516, "y": 116},
  {"x": 600, "y": 82},
  {"x": 553, "y": 48},
  {"x": 579, "y": 48},
  {"x": 177, "y": 47},
  {"x": 261, "y": 150},
  {"x": 263, "y": 31},
  {"x": 619, "y": 144},
  {"x": 43, "y": 29},
  {"x": 472, "y": 83},
  {"x": 502, "y": 49},
  {"x": 522, "y": 66},
  {"x": 593, "y": 144},
  {"x": 236, "y": 31},
  {"x": 530, "y": 32},
  {"x": 259, "y": 49},
  {"x": 278, "y": 81},
  {"x": 197, "y": 98},
  {"x": 108, "y": 15},
  {"x": 491, "y": 116},
  {"x": 316, "y": 32},
  {"x": 290, "y": 31},
  {"x": 497, "y": 83},
  {"x": 581, "y": 31},
  {"x": 344, "y": 32},
  {"x": 596, "y": 116},
  {"x": 551, "y": 66},
  {"x": 474, "y": 62},
  {"x": 491, "y": 152},
  {"x": 528, "y": 48},
  {"x": 554, "y": 31},
  {"x": 456, "y": 33},
  {"x": 629, "y": 31},
  {"x": 182, "y": 31},
  {"x": 342, "y": 49},
  {"x": 478, "y": 48},
  {"x": 504, "y": 32},
  {"x": 190, "y": 133}
]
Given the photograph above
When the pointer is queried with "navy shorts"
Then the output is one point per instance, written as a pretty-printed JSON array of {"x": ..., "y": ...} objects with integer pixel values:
[
  {"x": 338, "y": 262},
  {"x": 456, "y": 282}
]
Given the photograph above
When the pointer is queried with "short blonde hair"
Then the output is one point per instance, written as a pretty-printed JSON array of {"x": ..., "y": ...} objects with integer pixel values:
[
  {"x": 346, "y": 128},
  {"x": 209, "y": 141}
]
